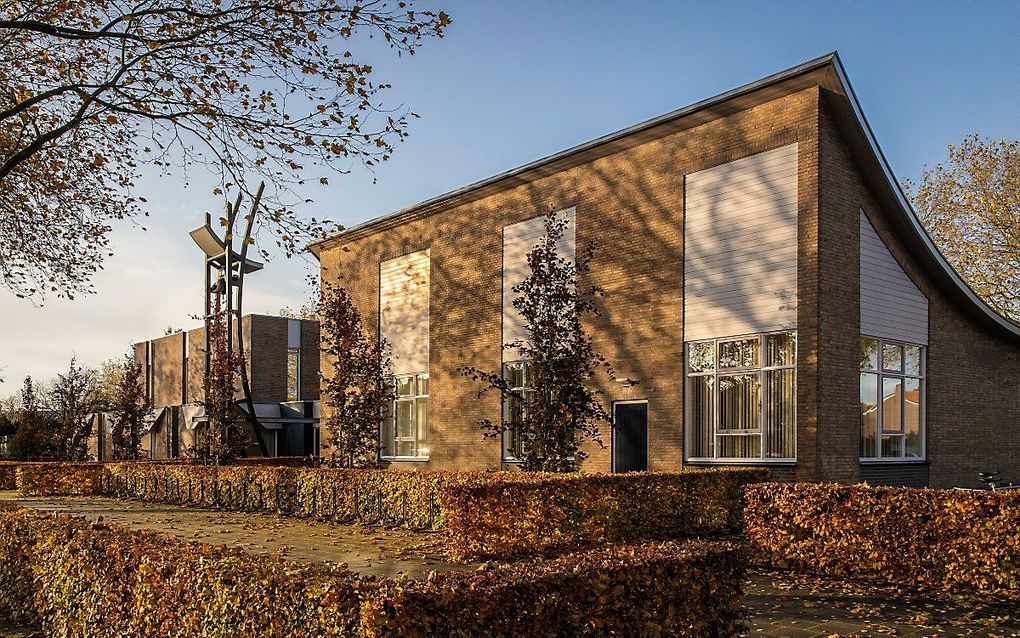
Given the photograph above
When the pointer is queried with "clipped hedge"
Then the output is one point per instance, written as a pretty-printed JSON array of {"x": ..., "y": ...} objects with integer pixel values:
[
  {"x": 493, "y": 517},
  {"x": 17, "y": 540},
  {"x": 8, "y": 476},
  {"x": 242, "y": 488},
  {"x": 72, "y": 577},
  {"x": 920, "y": 537},
  {"x": 483, "y": 514},
  {"x": 76, "y": 578},
  {"x": 411, "y": 498},
  {"x": 59, "y": 479},
  {"x": 655, "y": 590}
]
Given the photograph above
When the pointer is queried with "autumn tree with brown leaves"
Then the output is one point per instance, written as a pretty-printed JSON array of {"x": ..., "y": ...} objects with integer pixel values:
[
  {"x": 226, "y": 435},
  {"x": 92, "y": 89},
  {"x": 130, "y": 409},
  {"x": 970, "y": 205},
  {"x": 550, "y": 410},
  {"x": 357, "y": 388},
  {"x": 74, "y": 396}
]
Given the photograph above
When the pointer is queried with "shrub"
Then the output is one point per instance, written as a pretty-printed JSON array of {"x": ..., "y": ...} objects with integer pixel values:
[
  {"x": 8, "y": 475},
  {"x": 243, "y": 488},
  {"x": 59, "y": 479},
  {"x": 76, "y": 578},
  {"x": 484, "y": 514},
  {"x": 411, "y": 498},
  {"x": 654, "y": 590},
  {"x": 507, "y": 515},
  {"x": 98, "y": 580},
  {"x": 16, "y": 586},
  {"x": 921, "y": 537}
]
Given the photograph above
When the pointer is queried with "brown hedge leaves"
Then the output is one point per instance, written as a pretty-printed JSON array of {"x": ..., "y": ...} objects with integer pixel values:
[
  {"x": 931, "y": 538},
  {"x": 8, "y": 475},
  {"x": 76, "y": 578},
  {"x": 509, "y": 515},
  {"x": 59, "y": 479},
  {"x": 485, "y": 515},
  {"x": 654, "y": 590}
]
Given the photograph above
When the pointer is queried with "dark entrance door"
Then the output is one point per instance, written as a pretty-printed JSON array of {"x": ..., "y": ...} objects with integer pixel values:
[{"x": 630, "y": 436}]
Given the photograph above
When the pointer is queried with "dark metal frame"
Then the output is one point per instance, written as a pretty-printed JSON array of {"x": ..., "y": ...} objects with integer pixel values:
[{"x": 229, "y": 284}]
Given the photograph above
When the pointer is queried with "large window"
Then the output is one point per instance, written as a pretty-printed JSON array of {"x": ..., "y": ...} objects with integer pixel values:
[
  {"x": 742, "y": 398},
  {"x": 892, "y": 399},
  {"x": 514, "y": 407},
  {"x": 406, "y": 428}
]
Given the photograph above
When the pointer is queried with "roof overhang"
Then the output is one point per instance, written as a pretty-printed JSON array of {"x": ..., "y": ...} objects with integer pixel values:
[
  {"x": 864, "y": 145},
  {"x": 215, "y": 250},
  {"x": 827, "y": 72}
]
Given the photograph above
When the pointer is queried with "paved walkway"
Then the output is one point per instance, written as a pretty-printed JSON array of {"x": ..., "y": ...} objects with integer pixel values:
[
  {"x": 802, "y": 606},
  {"x": 370, "y": 551}
]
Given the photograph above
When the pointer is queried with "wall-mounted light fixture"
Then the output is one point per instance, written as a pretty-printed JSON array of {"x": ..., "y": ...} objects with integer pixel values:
[{"x": 626, "y": 382}]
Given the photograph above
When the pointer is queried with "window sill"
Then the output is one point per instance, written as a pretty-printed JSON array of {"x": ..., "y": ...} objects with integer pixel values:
[
  {"x": 740, "y": 461},
  {"x": 404, "y": 459},
  {"x": 894, "y": 459}
]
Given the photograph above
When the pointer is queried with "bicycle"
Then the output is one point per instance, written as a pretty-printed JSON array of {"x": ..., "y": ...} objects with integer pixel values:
[{"x": 993, "y": 483}]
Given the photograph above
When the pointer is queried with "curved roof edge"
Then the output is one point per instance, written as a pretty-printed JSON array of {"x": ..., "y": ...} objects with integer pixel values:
[
  {"x": 920, "y": 235},
  {"x": 915, "y": 234}
]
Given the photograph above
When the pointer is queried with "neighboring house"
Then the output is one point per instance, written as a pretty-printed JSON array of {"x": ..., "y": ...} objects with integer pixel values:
[
  {"x": 100, "y": 443},
  {"x": 282, "y": 358},
  {"x": 765, "y": 279}
]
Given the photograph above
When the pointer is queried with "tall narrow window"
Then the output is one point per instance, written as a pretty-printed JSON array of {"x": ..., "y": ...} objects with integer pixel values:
[
  {"x": 293, "y": 359},
  {"x": 184, "y": 369},
  {"x": 406, "y": 427},
  {"x": 293, "y": 374},
  {"x": 892, "y": 399},
  {"x": 515, "y": 407},
  {"x": 150, "y": 371},
  {"x": 741, "y": 398}
]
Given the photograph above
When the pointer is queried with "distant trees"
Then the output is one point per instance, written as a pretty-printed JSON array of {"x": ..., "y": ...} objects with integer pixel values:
[
  {"x": 254, "y": 90},
  {"x": 54, "y": 421},
  {"x": 357, "y": 390},
  {"x": 109, "y": 376},
  {"x": 130, "y": 408},
  {"x": 970, "y": 205},
  {"x": 33, "y": 425},
  {"x": 550, "y": 411},
  {"x": 307, "y": 310},
  {"x": 73, "y": 398}
]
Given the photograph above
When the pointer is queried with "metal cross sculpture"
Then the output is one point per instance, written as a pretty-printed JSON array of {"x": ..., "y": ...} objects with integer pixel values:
[{"x": 224, "y": 285}]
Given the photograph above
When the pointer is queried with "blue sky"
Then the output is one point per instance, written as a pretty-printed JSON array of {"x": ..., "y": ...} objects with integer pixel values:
[{"x": 515, "y": 81}]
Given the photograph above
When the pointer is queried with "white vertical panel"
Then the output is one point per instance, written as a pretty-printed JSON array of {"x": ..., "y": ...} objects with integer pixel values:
[
  {"x": 404, "y": 310},
  {"x": 891, "y": 305},
  {"x": 740, "y": 246},
  {"x": 518, "y": 240}
]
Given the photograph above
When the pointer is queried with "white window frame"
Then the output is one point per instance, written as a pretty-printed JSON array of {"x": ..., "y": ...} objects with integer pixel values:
[
  {"x": 392, "y": 416},
  {"x": 760, "y": 369},
  {"x": 506, "y": 438},
  {"x": 882, "y": 373}
]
